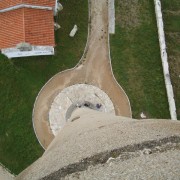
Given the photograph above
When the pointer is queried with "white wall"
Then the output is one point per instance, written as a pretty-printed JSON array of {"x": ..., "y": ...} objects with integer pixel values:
[{"x": 164, "y": 58}]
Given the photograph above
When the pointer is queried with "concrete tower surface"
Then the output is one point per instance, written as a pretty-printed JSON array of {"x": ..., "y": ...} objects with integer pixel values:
[
  {"x": 76, "y": 123},
  {"x": 97, "y": 145}
]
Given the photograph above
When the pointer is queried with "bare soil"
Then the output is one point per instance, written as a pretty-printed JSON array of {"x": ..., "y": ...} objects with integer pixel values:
[{"x": 129, "y": 13}]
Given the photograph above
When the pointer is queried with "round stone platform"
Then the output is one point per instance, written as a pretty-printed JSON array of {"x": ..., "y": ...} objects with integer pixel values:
[{"x": 77, "y": 96}]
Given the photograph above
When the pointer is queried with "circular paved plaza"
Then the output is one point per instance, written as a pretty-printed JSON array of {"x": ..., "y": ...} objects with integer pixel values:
[{"x": 77, "y": 96}]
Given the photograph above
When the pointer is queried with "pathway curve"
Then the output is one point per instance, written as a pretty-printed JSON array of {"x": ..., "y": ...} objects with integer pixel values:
[{"x": 94, "y": 68}]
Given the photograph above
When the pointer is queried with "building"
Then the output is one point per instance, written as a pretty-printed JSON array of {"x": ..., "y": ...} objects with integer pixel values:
[
  {"x": 98, "y": 145},
  {"x": 27, "y": 27}
]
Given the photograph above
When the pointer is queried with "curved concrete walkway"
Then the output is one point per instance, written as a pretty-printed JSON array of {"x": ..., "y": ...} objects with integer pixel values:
[
  {"x": 5, "y": 173},
  {"x": 94, "y": 68},
  {"x": 75, "y": 97}
]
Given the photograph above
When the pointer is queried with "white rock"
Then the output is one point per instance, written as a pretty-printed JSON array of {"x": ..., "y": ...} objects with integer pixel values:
[
  {"x": 56, "y": 26},
  {"x": 73, "y": 31},
  {"x": 59, "y": 7},
  {"x": 143, "y": 116},
  {"x": 147, "y": 151},
  {"x": 110, "y": 160}
]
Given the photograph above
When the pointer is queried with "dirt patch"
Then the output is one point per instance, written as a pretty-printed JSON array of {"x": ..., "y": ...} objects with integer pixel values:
[{"x": 129, "y": 13}]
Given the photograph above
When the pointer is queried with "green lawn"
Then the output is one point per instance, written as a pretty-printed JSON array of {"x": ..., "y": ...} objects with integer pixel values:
[
  {"x": 171, "y": 14},
  {"x": 21, "y": 80},
  {"x": 136, "y": 58}
]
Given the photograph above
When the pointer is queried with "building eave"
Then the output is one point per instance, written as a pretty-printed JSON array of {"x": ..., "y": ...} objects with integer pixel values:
[{"x": 36, "y": 51}]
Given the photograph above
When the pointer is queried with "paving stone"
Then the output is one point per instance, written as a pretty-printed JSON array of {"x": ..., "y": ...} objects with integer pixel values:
[{"x": 77, "y": 95}]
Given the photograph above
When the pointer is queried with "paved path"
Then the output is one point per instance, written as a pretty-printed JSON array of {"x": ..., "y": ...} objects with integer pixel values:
[
  {"x": 5, "y": 174},
  {"x": 94, "y": 69}
]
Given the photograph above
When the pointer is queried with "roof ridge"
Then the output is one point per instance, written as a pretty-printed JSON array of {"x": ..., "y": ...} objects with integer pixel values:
[{"x": 25, "y": 6}]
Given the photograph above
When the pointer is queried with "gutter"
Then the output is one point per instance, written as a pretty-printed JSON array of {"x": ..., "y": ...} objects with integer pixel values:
[{"x": 25, "y": 6}]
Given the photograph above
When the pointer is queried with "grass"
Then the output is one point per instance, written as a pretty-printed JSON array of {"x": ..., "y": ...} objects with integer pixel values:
[
  {"x": 21, "y": 79},
  {"x": 171, "y": 15},
  {"x": 136, "y": 58}
]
